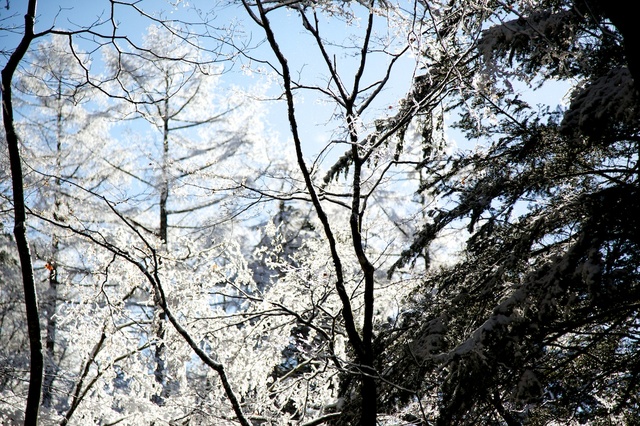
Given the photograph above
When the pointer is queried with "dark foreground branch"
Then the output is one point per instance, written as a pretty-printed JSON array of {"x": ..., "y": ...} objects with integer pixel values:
[{"x": 19, "y": 230}]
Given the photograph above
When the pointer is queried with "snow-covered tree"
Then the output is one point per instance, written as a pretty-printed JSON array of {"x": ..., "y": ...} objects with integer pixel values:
[
  {"x": 362, "y": 200},
  {"x": 537, "y": 323},
  {"x": 64, "y": 128},
  {"x": 98, "y": 334},
  {"x": 203, "y": 140},
  {"x": 383, "y": 276},
  {"x": 203, "y": 143},
  {"x": 12, "y": 332}
]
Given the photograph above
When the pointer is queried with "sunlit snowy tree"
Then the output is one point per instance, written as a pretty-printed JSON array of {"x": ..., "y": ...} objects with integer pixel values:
[
  {"x": 65, "y": 129},
  {"x": 363, "y": 269},
  {"x": 202, "y": 146},
  {"x": 362, "y": 203}
]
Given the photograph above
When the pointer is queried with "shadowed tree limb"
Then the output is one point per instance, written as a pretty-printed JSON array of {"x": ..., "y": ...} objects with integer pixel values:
[{"x": 19, "y": 230}]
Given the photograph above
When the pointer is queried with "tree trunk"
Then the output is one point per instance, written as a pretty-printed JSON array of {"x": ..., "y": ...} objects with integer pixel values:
[
  {"x": 50, "y": 369},
  {"x": 20, "y": 231},
  {"x": 160, "y": 372}
]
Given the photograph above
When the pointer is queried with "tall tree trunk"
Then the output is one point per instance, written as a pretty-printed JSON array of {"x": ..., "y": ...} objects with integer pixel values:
[
  {"x": 361, "y": 345},
  {"x": 49, "y": 313},
  {"x": 50, "y": 369},
  {"x": 164, "y": 178},
  {"x": 160, "y": 349},
  {"x": 368, "y": 391},
  {"x": 20, "y": 231}
]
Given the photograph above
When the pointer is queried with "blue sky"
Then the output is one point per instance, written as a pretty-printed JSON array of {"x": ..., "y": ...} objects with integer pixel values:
[
  {"x": 304, "y": 57},
  {"x": 298, "y": 46}
]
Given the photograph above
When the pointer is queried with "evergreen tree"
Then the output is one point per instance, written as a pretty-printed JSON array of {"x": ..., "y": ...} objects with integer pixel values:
[{"x": 537, "y": 322}]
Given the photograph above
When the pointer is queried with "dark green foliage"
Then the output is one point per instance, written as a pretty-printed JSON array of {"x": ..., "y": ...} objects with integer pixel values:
[{"x": 538, "y": 322}]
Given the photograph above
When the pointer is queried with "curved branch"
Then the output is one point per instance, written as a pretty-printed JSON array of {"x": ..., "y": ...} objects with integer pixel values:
[
  {"x": 36, "y": 367},
  {"x": 347, "y": 312}
]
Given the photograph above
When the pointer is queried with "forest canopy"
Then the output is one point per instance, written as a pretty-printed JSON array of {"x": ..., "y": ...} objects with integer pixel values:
[{"x": 320, "y": 212}]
